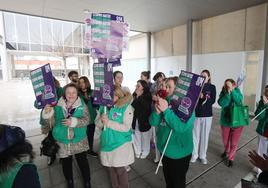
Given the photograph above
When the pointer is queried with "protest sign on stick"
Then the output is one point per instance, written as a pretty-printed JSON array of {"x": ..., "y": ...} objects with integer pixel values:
[{"x": 44, "y": 86}]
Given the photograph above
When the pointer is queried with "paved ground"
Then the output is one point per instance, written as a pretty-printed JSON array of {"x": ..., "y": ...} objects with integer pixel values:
[{"x": 17, "y": 109}]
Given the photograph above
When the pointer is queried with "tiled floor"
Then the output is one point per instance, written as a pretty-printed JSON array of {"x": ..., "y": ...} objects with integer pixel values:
[{"x": 17, "y": 109}]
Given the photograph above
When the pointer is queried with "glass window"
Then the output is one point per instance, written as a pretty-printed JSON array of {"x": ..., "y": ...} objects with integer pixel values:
[
  {"x": 46, "y": 31},
  {"x": 34, "y": 27},
  {"x": 10, "y": 27},
  {"x": 67, "y": 34},
  {"x": 22, "y": 28},
  {"x": 77, "y": 34},
  {"x": 57, "y": 34}
]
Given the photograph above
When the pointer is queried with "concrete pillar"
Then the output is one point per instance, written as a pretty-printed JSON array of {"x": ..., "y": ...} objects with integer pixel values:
[
  {"x": 149, "y": 35},
  {"x": 3, "y": 50},
  {"x": 189, "y": 45},
  {"x": 265, "y": 59}
]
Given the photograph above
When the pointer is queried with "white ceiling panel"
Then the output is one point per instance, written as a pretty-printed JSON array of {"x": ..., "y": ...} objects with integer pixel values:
[{"x": 143, "y": 15}]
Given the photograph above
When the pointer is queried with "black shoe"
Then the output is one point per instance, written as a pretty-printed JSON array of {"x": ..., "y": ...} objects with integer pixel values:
[
  {"x": 230, "y": 163},
  {"x": 92, "y": 153},
  {"x": 50, "y": 160},
  {"x": 224, "y": 155},
  {"x": 70, "y": 184}
]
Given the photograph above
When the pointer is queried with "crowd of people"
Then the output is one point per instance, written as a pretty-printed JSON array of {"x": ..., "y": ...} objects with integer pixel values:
[{"x": 129, "y": 129}]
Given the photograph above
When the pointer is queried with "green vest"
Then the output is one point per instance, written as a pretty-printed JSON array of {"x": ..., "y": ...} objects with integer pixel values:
[
  {"x": 8, "y": 178},
  {"x": 60, "y": 132},
  {"x": 111, "y": 139}
]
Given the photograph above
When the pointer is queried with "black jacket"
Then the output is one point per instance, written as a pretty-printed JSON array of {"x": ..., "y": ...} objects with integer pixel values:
[
  {"x": 142, "y": 106},
  {"x": 204, "y": 106}
]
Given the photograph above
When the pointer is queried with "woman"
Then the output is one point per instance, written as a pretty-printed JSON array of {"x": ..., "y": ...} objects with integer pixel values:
[
  {"x": 145, "y": 75},
  {"x": 116, "y": 150},
  {"x": 229, "y": 96},
  {"x": 118, "y": 80},
  {"x": 178, "y": 152},
  {"x": 85, "y": 93},
  {"x": 70, "y": 119},
  {"x": 158, "y": 79},
  {"x": 262, "y": 128},
  {"x": 203, "y": 119},
  {"x": 142, "y": 105},
  {"x": 162, "y": 92},
  {"x": 16, "y": 157},
  {"x": 59, "y": 92}
]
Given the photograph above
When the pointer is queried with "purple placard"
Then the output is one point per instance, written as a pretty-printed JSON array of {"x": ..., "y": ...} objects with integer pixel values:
[
  {"x": 103, "y": 93},
  {"x": 107, "y": 34},
  {"x": 115, "y": 62},
  {"x": 186, "y": 94},
  {"x": 44, "y": 86}
]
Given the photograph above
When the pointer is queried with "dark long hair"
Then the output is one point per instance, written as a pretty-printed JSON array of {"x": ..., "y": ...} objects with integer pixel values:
[
  {"x": 224, "y": 88},
  {"x": 146, "y": 74},
  {"x": 145, "y": 86},
  {"x": 87, "y": 83},
  {"x": 117, "y": 72},
  {"x": 9, "y": 157},
  {"x": 208, "y": 73},
  {"x": 158, "y": 75}
]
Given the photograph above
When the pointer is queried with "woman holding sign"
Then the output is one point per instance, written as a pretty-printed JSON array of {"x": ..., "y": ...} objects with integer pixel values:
[
  {"x": 116, "y": 149},
  {"x": 229, "y": 96},
  {"x": 203, "y": 119},
  {"x": 178, "y": 152},
  {"x": 70, "y": 119}
]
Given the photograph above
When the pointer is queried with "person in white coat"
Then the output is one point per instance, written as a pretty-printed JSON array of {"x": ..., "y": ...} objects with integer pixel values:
[{"x": 203, "y": 119}]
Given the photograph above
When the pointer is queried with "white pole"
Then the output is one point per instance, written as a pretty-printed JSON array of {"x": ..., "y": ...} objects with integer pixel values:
[
  {"x": 258, "y": 114},
  {"x": 165, "y": 148},
  {"x": 105, "y": 112}
]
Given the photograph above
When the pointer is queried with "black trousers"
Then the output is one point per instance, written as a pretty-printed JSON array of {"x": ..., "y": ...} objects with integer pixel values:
[
  {"x": 67, "y": 167},
  {"x": 90, "y": 135},
  {"x": 175, "y": 171}
]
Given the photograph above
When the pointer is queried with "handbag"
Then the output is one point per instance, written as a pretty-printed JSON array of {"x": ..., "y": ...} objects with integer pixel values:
[
  {"x": 239, "y": 115},
  {"x": 49, "y": 146}
]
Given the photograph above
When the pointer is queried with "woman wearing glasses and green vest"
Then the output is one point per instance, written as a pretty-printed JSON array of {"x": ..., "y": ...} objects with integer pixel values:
[
  {"x": 116, "y": 149},
  {"x": 70, "y": 119}
]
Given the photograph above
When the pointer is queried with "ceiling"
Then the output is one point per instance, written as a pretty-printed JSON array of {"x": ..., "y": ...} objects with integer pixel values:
[{"x": 143, "y": 15}]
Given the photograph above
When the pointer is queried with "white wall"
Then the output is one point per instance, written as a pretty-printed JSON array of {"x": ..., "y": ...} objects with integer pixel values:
[
  {"x": 132, "y": 69},
  {"x": 220, "y": 65},
  {"x": 170, "y": 66}
]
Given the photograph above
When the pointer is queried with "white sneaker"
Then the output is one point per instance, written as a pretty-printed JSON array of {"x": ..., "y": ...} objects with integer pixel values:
[
  {"x": 193, "y": 160},
  {"x": 204, "y": 161},
  {"x": 128, "y": 168},
  {"x": 138, "y": 155},
  {"x": 156, "y": 160},
  {"x": 143, "y": 156}
]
